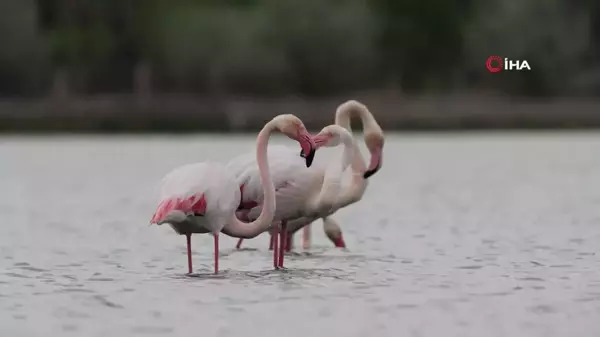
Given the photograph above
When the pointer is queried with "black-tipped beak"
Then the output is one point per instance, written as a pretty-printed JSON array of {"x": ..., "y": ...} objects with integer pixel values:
[
  {"x": 375, "y": 162},
  {"x": 369, "y": 173},
  {"x": 309, "y": 158}
]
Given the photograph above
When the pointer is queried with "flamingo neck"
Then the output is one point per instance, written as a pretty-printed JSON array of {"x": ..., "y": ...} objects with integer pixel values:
[
  {"x": 343, "y": 117},
  {"x": 331, "y": 187},
  {"x": 355, "y": 190},
  {"x": 241, "y": 229}
]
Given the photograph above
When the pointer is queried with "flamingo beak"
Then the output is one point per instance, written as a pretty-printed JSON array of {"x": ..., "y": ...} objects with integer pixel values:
[
  {"x": 321, "y": 139},
  {"x": 375, "y": 164},
  {"x": 308, "y": 147},
  {"x": 309, "y": 158}
]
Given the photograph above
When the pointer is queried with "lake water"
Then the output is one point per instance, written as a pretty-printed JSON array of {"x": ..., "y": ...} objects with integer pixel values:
[{"x": 457, "y": 236}]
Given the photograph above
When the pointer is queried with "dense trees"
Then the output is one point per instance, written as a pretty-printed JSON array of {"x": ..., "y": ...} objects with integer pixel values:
[{"x": 315, "y": 47}]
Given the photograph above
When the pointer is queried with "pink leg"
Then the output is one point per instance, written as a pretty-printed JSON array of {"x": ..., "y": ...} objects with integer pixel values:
[
  {"x": 271, "y": 242},
  {"x": 216, "y": 238},
  {"x": 275, "y": 248},
  {"x": 282, "y": 239},
  {"x": 188, "y": 238},
  {"x": 306, "y": 237},
  {"x": 239, "y": 244}
]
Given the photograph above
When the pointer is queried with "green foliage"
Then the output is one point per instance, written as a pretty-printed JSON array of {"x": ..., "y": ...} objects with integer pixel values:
[
  {"x": 313, "y": 47},
  {"x": 285, "y": 45},
  {"x": 421, "y": 40},
  {"x": 328, "y": 45},
  {"x": 23, "y": 51}
]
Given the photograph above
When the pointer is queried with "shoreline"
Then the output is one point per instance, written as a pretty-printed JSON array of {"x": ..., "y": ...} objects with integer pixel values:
[{"x": 168, "y": 113}]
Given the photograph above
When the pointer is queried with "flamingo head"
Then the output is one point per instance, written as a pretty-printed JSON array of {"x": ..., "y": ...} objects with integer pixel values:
[
  {"x": 374, "y": 142},
  {"x": 330, "y": 136},
  {"x": 293, "y": 127}
]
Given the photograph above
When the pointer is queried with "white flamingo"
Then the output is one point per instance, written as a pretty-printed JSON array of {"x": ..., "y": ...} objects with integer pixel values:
[
  {"x": 353, "y": 192},
  {"x": 203, "y": 197},
  {"x": 300, "y": 191}
]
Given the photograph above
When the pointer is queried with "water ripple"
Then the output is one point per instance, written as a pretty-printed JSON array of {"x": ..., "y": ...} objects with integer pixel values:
[{"x": 484, "y": 235}]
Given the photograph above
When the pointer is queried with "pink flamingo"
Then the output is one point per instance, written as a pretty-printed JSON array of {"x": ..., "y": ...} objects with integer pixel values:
[
  {"x": 203, "y": 197},
  {"x": 353, "y": 192},
  {"x": 300, "y": 192}
]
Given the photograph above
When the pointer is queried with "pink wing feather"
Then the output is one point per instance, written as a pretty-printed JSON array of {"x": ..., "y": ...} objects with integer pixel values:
[{"x": 196, "y": 204}]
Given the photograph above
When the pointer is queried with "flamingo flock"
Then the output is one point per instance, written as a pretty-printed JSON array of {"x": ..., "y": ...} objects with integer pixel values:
[{"x": 276, "y": 189}]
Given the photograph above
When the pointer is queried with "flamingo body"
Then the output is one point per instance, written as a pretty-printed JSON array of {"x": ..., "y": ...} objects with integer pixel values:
[
  {"x": 204, "y": 197},
  {"x": 298, "y": 189},
  {"x": 293, "y": 181},
  {"x": 196, "y": 199}
]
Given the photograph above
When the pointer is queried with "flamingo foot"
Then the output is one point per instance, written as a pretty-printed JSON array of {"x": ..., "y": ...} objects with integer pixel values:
[
  {"x": 239, "y": 244},
  {"x": 188, "y": 239},
  {"x": 216, "y": 244}
]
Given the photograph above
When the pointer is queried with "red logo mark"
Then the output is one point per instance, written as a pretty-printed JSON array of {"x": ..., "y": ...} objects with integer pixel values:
[{"x": 490, "y": 64}]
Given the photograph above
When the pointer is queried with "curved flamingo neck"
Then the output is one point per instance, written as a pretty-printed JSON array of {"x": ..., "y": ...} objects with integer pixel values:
[
  {"x": 241, "y": 229},
  {"x": 354, "y": 191},
  {"x": 331, "y": 187},
  {"x": 352, "y": 108},
  {"x": 343, "y": 116}
]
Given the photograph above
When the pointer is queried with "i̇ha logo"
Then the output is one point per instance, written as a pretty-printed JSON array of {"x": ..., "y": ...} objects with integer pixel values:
[{"x": 496, "y": 64}]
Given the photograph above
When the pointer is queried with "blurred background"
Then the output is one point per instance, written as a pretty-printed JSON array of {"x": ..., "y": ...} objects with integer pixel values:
[
  {"x": 214, "y": 65},
  {"x": 489, "y": 233}
]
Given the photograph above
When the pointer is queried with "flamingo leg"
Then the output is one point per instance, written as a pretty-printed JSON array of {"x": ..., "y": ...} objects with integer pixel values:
[
  {"x": 239, "y": 244},
  {"x": 306, "y": 237},
  {"x": 272, "y": 241},
  {"x": 275, "y": 248},
  {"x": 282, "y": 243},
  {"x": 216, "y": 244},
  {"x": 188, "y": 239}
]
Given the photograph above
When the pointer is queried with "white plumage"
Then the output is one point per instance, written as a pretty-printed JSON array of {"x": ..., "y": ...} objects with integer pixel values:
[
  {"x": 209, "y": 180},
  {"x": 299, "y": 191},
  {"x": 204, "y": 197},
  {"x": 292, "y": 179}
]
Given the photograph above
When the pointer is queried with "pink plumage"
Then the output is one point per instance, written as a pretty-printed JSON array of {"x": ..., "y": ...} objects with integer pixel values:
[{"x": 194, "y": 204}]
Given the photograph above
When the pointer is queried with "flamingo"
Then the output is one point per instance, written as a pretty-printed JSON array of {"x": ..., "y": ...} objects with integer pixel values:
[
  {"x": 374, "y": 140},
  {"x": 353, "y": 192},
  {"x": 300, "y": 192},
  {"x": 204, "y": 197}
]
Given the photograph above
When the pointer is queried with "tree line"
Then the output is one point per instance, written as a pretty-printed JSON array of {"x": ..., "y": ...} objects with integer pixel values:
[{"x": 312, "y": 47}]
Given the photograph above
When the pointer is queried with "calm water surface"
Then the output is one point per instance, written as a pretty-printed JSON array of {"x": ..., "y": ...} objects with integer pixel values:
[{"x": 476, "y": 235}]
